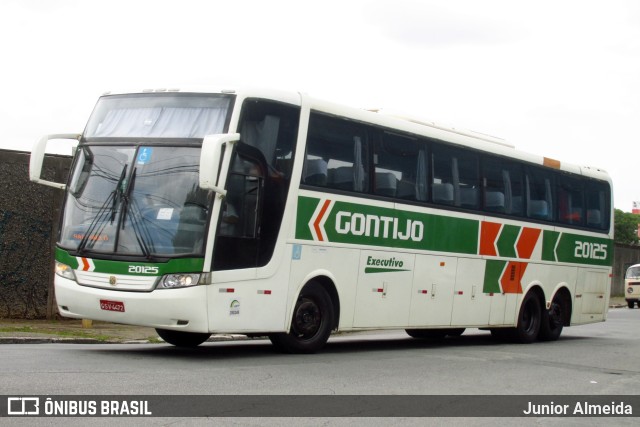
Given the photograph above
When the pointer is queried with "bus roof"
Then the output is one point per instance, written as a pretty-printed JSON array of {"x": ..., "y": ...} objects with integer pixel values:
[{"x": 400, "y": 122}]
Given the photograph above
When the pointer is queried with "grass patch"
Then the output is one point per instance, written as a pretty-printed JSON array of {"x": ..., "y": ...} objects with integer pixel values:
[{"x": 63, "y": 334}]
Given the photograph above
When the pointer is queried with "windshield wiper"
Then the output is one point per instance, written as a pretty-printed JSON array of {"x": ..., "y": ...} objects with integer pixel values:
[
  {"x": 118, "y": 193},
  {"x": 127, "y": 196},
  {"x": 100, "y": 217},
  {"x": 140, "y": 229},
  {"x": 103, "y": 213}
]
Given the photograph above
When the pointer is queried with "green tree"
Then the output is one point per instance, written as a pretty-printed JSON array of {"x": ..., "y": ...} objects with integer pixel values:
[{"x": 626, "y": 227}]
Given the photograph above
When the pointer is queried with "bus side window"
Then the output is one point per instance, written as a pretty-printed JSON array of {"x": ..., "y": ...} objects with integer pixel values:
[
  {"x": 502, "y": 186},
  {"x": 336, "y": 155},
  {"x": 597, "y": 195},
  {"x": 455, "y": 177},
  {"x": 570, "y": 203},
  {"x": 396, "y": 169},
  {"x": 539, "y": 192},
  {"x": 442, "y": 191}
]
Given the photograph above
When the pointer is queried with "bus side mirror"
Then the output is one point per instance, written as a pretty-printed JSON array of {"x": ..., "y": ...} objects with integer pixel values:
[
  {"x": 213, "y": 167},
  {"x": 37, "y": 158}
]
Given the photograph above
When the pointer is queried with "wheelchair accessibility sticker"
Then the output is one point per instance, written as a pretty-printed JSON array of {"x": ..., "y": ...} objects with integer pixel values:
[{"x": 144, "y": 155}]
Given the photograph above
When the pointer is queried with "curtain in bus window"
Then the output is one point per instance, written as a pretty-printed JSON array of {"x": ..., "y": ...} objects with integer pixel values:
[
  {"x": 189, "y": 122},
  {"x": 263, "y": 135},
  {"x": 597, "y": 195},
  {"x": 455, "y": 178},
  {"x": 513, "y": 189},
  {"x": 162, "y": 122},
  {"x": 510, "y": 201},
  {"x": 539, "y": 195},
  {"x": 358, "y": 168},
  {"x": 421, "y": 176}
]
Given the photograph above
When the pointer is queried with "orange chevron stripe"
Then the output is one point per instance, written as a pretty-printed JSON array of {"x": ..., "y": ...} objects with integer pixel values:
[
  {"x": 316, "y": 223},
  {"x": 527, "y": 241},
  {"x": 488, "y": 234},
  {"x": 511, "y": 280}
]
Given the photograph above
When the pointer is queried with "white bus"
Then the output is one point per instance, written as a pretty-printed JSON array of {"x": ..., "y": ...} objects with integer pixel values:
[{"x": 281, "y": 215}]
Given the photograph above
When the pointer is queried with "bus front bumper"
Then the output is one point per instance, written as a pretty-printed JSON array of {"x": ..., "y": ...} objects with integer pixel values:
[{"x": 183, "y": 309}]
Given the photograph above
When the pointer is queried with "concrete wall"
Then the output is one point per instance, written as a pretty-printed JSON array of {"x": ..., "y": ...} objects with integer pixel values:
[{"x": 28, "y": 226}]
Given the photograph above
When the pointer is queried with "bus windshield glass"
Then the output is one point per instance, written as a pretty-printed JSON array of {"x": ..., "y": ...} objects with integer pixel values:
[
  {"x": 140, "y": 201},
  {"x": 166, "y": 115}
]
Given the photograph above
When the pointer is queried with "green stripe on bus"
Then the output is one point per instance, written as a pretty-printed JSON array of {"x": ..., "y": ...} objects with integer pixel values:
[
  {"x": 359, "y": 224},
  {"x": 368, "y": 270},
  {"x": 576, "y": 248},
  {"x": 177, "y": 265},
  {"x": 492, "y": 273},
  {"x": 507, "y": 241},
  {"x": 375, "y": 226},
  {"x": 549, "y": 241},
  {"x": 306, "y": 208}
]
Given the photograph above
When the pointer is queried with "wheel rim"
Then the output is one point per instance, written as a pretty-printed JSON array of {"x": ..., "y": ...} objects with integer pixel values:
[
  {"x": 307, "y": 319},
  {"x": 555, "y": 314}
]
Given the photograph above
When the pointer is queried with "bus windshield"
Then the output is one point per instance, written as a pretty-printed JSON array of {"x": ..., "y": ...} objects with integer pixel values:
[
  {"x": 134, "y": 185},
  {"x": 135, "y": 201}
]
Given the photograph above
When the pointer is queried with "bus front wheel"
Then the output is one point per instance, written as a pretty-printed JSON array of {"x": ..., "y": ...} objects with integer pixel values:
[
  {"x": 311, "y": 324},
  {"x": 181, "y": 338}
]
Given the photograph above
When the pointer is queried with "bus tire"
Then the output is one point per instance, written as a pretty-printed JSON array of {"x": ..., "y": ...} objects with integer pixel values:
[
  {"x": 311, "y": 324},
  {"x": 553, "y": 320},
  {"x": 182, "y": 338},
  {"x": 434, "y": 333},
  {"x": 630, "y": 304},
  {"x": 529, "y": 319}
]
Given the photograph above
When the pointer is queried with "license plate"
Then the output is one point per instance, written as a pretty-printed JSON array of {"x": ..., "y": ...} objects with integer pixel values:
[{"x": 112, "y": 305}]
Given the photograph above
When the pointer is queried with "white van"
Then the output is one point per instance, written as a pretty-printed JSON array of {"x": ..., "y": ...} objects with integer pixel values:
[{"x": 632, "y": 285}]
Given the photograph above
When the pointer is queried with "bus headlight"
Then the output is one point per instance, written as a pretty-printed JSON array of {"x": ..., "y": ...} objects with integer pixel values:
[
  {"x": 172, "y": 281},
  {"x": 63, "y": 270}
]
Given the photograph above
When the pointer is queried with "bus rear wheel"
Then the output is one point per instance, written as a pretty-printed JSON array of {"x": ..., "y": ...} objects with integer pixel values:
[
  {"x": 553, "y": 320},
  {"x": 529, "y": 320},
  {"x": 182, "y": 338},
  {"x": 311, "y": 324}
]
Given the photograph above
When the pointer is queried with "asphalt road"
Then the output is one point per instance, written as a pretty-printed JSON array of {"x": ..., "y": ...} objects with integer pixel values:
[{"x": 598, "y": 359}]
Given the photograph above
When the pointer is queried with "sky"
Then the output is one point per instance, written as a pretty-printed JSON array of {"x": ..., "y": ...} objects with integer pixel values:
[{"x": 557, "y": 78}]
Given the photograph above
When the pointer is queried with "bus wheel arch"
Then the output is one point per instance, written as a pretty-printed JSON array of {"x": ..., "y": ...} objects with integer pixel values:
[
  {"x": 330, "y": 287},
  {"x": 556, "y": 316},
  {"x": 312, "y": 320},
  {"x": 528, "y": 321}
]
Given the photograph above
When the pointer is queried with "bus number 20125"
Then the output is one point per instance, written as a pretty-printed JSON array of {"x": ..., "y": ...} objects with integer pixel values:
[{"x": 590, "y": 250}]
